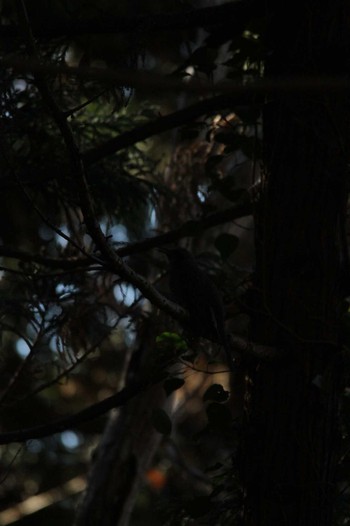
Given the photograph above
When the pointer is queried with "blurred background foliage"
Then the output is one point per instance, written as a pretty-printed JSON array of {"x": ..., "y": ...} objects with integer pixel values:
[{"x": 69, "y": 330}]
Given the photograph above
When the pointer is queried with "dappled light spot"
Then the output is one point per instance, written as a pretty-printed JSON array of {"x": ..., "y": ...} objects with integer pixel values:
[
  {"x": 22, "y": 348},
  {"x": 70, "y": 439}
]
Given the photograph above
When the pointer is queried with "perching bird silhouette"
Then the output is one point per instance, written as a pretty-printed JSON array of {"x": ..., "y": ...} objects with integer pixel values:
[{"x": 193, "y": 289}]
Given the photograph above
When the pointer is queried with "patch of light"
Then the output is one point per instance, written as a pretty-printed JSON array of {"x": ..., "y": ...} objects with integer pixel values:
[
  {"x": 38, "y": 309},
  {"x": 125, "y": 293},
  {"x": 45, "y": 233},
  {"x": 119, "y": 233},
  {"x": 70, "y": 439},
  {"x": 128, "y": 92},
  {"x": 130, "y": 337},
  {"x": 190, "y": 71},
  {"x": 202, "y": 194},
  {"x": 54, "y": 344},
  {"x": 54, "y": 312},
  {"x": 250, "y": 35},
  {"x": 22, "y": 348},
  {"x": 128, "y": 332},
  {"x": 34, "y": 446},
  {"x": 60, "y": 288},
  {"x": 19, "y": 85},
  {"x": 61, "y": 241},
  {"x": 104, "y": 228},
  {"x": 64, "y": 289},
  {"x": 153, "y": 218}
]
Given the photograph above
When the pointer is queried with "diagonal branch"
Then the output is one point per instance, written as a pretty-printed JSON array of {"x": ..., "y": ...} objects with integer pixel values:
[
  {"x": 246, "y": 348},
  {"x": 91, "y": 412},
  {"x": 160, "y": 125},
  {"x": 188, "y": 229},
  {"x": 113, "y": 262}
]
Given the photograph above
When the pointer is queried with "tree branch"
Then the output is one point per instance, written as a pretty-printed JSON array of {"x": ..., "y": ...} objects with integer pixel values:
[
  {"x": 238, "y": 344},
  {"x": 113, "y": 261},
  {"x": 160, "y": 125},
  {"x": 110, "y": 23},
  {"x": 188, "y": 229},
  {"x": 260, "y": 352},
  {"x": 54, "y": 263},
  {"x": 151, "y": 82},
  {"x": 91, "y": 412},
  {"x": 133, "y": 78}
]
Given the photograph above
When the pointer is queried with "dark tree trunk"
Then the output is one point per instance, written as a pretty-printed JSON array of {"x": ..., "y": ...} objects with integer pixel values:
[
  {"x": 292, "y": 431},
  {"x": 122, "y": 458},
  {"x": 126, "y": 448}
]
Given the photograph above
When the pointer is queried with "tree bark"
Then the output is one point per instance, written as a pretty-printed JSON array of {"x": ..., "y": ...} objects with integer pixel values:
[
  {"x": 126, "y": 449},
  {"x": 292, "y": 434}
]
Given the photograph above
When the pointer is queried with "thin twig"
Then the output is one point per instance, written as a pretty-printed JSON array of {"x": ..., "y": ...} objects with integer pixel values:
[
  {"x": 71, "y": 421},
  {"x": 160, "y": 125},
  {"x": 69, "y": 113},
  {"x": 112, "y": 261},
  {"x": 57, "y": 230},
  {"x": 239, "y": 210},
  {"x": 67, "y": 263}
]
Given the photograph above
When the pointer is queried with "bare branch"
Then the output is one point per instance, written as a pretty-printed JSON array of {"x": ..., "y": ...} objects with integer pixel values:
[
  {"x": 108, "y": 23},
  {"x": 66, "y": 263},
  {"x": 57, "y": 230},
  {"x": 239, "y": 344},
  {"x": 247, "y": 348},
  {"x": 151, "y": 82},
  {"x": 113, "y": 262},
  {"x": 168, "y": 122},
  {"x": 190, "y": 228},
  {"x": 236, "y": 211},
  {"x": 98, "y": 409}
]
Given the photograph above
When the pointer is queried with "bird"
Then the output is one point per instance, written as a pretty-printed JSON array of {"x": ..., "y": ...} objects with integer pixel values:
[{"x": 192, "y": 288}]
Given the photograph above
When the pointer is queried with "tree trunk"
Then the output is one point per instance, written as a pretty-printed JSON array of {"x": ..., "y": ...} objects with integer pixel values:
[
  {"x": 126, "y": 449},
  {"x": 291, "y": 442}
]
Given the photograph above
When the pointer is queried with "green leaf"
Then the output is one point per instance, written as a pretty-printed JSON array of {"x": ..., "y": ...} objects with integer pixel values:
[
  {"x": 172, "y": 340},
  {"x": 161, "y": 421},
  {"x": 216, "y": 393},
  {"x": 226, "y": 244},
  {"x": 172, "y": 384}
]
